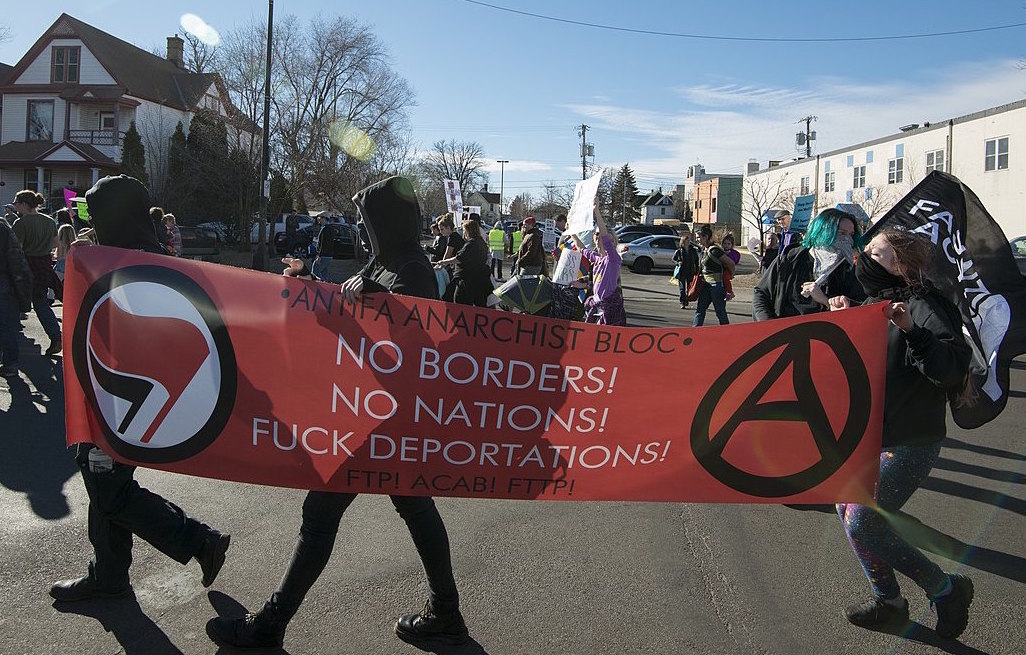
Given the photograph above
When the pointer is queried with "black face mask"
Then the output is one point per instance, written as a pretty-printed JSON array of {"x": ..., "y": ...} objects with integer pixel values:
[{"x": 877, "y": 280}]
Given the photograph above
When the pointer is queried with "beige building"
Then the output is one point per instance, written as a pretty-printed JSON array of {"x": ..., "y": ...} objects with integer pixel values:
[{"x": 985, "y": 149}]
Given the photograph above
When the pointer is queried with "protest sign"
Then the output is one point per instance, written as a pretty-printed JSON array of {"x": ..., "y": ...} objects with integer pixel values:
[
  {"x": 454, "y": 199},
  {"x": 225, "y": 373},
  {"x": 580, "y": 217},
  {"x": 802, "y": 213}
]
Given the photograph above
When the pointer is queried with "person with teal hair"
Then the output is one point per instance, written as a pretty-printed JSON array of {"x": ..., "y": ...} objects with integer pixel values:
[{"x": 801, "y": 280}]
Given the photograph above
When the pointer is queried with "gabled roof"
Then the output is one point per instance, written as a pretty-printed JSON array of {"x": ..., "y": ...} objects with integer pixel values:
[
  {"x": 35, "y": 152},
  {"x": 489, "y": 197},
  {"x": 656, "y": 198},
  {"x": 140, "y": 73}
]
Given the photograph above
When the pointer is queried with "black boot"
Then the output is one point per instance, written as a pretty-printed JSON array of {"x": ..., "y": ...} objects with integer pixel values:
[
  {"x": 265, "y": 629},
  {"x": 85, "y": 588},
  {"x": 448, "y": 628}
]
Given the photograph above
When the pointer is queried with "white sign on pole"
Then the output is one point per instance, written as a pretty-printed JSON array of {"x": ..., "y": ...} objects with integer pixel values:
[
  {"x": 454, "y": 197},
  {"x": 580, "y": 218},
  {"x": 568, "y": 267}
]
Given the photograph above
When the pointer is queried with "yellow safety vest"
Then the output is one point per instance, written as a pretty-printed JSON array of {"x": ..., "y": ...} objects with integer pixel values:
[
  {"x": 497, "y": 239},
  {"x": 518, "y": 238}
]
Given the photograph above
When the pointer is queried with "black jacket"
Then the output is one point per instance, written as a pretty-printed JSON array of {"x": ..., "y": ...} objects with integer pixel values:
[
  {"x": 779, "y": 291},
  {"x": 15, "y": 267},
  {"x": 399, "y": 265},
  {"x": 119, "y": 208},
  {"x": 688, "y": 260},
  {"x": 922, "y": 367}
]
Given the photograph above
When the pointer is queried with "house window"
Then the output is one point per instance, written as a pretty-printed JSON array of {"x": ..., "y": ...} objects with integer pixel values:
[
  {"x": 40, "y": 120},
  {"x": 830, "y": 183},
  {"x": 65, "y": 64},
  {"x": 935, "y": 161},
  {"x": 713, "y": 205},
  {"x": 847, "y": 195},
  {"x": 895, "y": 170},
  {"x": 826, "y": 166},
  {"x": 851, "y": 160},
  {"x": 211, "y": 102},
  {"x": 869, "y": 156},
  {"x": 997, "y": 155},
  {"x": 869, "y": 193},
  {"x": 662, "y": 211},
  {"x": 804, "y": 184},
  {"x": 899, "y": 150},
  {"x": 32, "y": 181},
  {"x": 858, "y": 179},
  {"x": 107, "y": 121}
]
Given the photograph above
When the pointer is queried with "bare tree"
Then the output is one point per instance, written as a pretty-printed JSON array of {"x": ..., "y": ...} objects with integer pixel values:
[
  {"x": 462, "y": 161},
  {"x": 519, "y": 207},
  {"x": 5, "y": 33},
  {"x": 760, "y": 193},
  {"x": 199, "y": 56}
]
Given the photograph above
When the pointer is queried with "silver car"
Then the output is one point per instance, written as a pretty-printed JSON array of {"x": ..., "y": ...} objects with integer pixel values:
[{"x": 649, "y": 254}]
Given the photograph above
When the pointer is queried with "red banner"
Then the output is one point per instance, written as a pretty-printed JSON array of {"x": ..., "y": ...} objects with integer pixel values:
[{"x": 225, "y": 373}]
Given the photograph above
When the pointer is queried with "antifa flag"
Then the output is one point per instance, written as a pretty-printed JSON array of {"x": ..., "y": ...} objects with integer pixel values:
[{"x": 973, "y": 268}]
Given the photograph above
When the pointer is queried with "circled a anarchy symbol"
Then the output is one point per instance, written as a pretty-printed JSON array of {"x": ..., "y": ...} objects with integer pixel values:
[{"x": 834, "y": 449}]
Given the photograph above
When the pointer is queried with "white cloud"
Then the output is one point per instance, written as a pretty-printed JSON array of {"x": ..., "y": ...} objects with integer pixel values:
[
  {"x": 724, "y": 125},
  {"x": 516, "y": 165}
]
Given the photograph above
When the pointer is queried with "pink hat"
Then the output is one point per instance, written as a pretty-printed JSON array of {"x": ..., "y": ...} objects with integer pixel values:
[{"x": 529, "y": 221}]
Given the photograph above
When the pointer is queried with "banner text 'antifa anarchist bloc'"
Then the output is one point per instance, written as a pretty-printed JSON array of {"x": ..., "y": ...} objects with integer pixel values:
[{"x": 224, "y": 373}]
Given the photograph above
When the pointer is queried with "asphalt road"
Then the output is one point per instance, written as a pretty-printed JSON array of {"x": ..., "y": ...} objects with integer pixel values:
[{"x": 534, "y": 577}]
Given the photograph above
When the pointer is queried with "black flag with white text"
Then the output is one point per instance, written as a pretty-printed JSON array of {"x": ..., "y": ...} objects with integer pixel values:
[{"x": 973, "y": 268}]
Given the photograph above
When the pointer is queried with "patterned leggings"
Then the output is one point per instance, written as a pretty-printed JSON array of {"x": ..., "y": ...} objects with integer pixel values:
[{"x": 879, "y": 549}]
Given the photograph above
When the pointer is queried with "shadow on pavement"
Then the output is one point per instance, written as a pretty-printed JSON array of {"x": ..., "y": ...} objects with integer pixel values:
[
  {"x": 36, "y": 460},
  {"x": 124, "y": 618},
  {"x": 968, "y": 492},
  {"x": 919, "y": 633},
  {"x": 929, "y": 539},
  {"x": 1010, "y": 477},
  {"x": 983, "y": 450}
]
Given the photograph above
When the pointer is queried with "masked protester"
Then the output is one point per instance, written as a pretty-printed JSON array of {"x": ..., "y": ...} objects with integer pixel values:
[
  {"x": 118, "y": 506},
  {"x": 389, "y": 210},
  {"x": 801, "y": 280},
  {"x": 927, "y": 363}
]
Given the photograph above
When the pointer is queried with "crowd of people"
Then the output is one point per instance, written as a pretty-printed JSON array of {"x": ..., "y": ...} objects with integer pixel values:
[{"x": 825, "y": 269}]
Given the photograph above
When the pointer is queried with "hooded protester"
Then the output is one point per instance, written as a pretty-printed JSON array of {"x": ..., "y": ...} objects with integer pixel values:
[
  {"x": 801, "y": 280},
  {"x": 118, "y": 506},
  {"x": 390, "y": 212}
]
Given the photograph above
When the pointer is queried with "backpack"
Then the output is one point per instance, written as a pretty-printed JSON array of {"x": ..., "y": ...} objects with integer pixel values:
[{"x": 17, "y": 267}]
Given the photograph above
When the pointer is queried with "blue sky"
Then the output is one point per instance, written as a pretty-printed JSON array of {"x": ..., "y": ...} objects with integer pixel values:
[{"x": 519, "y": 85}]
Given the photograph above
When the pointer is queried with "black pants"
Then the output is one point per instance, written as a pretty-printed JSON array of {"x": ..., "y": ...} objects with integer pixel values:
[
  {"x": 496, "y": 269},
  {"x": 322, "y": 513},
  {"x": 119, "y": 508}
]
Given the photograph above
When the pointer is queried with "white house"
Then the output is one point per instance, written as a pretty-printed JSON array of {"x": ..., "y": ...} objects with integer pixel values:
[
  {"x": 488, "y": 202},
  {"x": 68, "y": 101},
  {"x": 656, "y": 206},
  {"x": 985, "y": 149}
]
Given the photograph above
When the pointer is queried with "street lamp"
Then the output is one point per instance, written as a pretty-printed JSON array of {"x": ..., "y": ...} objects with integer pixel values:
[
  {"x": 502, "y": 170},
  {"x": 260, "y": 256}
]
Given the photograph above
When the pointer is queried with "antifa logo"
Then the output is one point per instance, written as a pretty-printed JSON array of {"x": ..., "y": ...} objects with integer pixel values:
[
  {"x": 828, "y": 450},
  {"x": 155, "y": 361}
]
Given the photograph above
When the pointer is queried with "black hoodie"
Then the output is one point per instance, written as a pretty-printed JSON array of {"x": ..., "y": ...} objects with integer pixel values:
[
  {"x": 391, "y": 215},
  {"x": 119, "y": 208}
]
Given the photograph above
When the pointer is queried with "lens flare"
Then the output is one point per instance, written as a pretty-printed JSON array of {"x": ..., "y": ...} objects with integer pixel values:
[
  {"x": 351, "y": 139},
  {"x": 199, "y": 28}
]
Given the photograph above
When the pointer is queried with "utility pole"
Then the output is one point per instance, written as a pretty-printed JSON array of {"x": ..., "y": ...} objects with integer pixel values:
[
  {"x": 260, "y": 256},
  {"x": 808, "y": 136},
  {"x": 502, "y": 175},
  {"x": 582, "y": 131}
]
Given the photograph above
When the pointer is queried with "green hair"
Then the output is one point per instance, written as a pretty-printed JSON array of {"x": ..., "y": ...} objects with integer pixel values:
[{"x": 823, "y": 229}]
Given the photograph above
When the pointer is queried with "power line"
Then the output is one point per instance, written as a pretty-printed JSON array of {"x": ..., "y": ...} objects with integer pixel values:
[{"x": 756, "y": 39}]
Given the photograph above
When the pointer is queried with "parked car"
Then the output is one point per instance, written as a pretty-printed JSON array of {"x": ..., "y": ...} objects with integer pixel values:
[
  {"x": 345, "y": 236},
  {"x": 647, "y": 229},
  {"x": 199, "y": 242},
  {"x": 1018, "y": 245},
  {"x": 627, "y": 237},
  {"x": 219, "y": 228},
  {"x": 650, "y": 253},
  {"x": 277, "y": 226}
]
